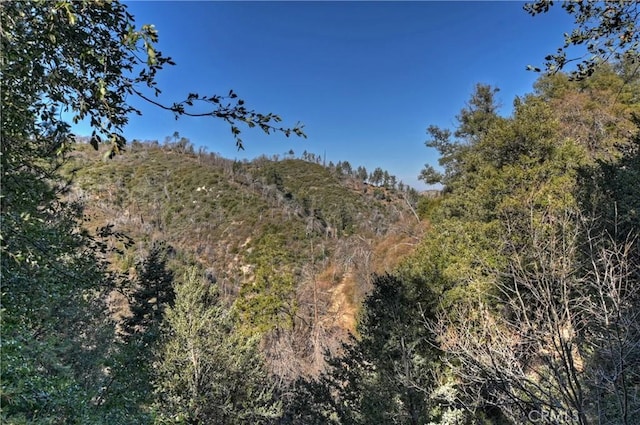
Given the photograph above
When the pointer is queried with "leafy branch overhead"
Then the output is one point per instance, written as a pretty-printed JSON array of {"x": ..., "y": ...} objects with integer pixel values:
[
  {"x": 607, "y": 30},
  {"x": 87, "y": 59},
  {"x": 231, "y": 109}
]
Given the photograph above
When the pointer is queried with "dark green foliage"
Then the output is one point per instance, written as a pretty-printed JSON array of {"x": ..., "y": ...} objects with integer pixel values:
[
  {"x": 55, "y": 334},
  {"x": 393, "y": 337},
  {"x": 128, "y": 392},
  {"x": 152, "y": 291},
  {"x": 608, "y": 30},
  {"x": 190, "y": 354},
  {"x": 385, "y": 376},
  {"x": 610, "y": 191},
  {"x": 346, "y": 167}
]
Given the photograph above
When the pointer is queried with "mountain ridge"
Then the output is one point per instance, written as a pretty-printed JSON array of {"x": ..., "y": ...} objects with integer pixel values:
[{"x": 321, "y": 232}]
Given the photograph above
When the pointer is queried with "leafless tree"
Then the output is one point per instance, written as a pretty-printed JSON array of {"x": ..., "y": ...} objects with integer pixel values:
[{"x": 559, "y": 341}]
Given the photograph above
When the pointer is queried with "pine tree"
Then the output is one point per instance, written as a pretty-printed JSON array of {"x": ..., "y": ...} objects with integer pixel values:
[
  {"x": 208, "y": 373},
  {"x": 152, "y": 292}
]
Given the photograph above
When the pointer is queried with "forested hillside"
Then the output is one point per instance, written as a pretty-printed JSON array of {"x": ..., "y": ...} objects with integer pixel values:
[
  {"x": 290, "y": 243},
  {"x": 145, "y": 282}
]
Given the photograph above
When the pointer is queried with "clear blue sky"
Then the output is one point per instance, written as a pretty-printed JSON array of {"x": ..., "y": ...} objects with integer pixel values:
[{"x": 366, "y": 78}]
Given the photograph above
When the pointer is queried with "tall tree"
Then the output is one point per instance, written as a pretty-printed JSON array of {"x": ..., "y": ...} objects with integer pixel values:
[
  {"x": 511, "y": 179},
  {"x": 481, "y": 111},
  {"x": 474, "y": 121},
  {"x": 208, "y": 373},
  {"x": 152, "y": 291},
  {"x": 609, "y": 190},
  {"x": 384, "y": 376},
  {"x": 376, "y": 176},
  {"x": 346, "y": 166},
  {"x": 85, "y": 58},
  {"x": 361, "y": 173},
  {"x": 128, "y": 392}
]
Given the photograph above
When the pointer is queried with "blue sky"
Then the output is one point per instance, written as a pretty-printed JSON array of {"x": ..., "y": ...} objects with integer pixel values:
[{"x": 366, "y": 78}]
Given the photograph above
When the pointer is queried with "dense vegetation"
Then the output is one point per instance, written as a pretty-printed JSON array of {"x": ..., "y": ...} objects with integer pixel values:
[
  {"x": 535, "y": 249},
  {"x": 168, "y": 286},
  {"x": 289, "y": 243}
]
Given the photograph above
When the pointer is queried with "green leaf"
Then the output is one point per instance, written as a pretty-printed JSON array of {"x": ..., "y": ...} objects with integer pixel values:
[{"x": 95, "y": 141}]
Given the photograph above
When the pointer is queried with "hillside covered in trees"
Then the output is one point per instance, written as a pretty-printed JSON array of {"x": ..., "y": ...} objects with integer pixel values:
[
  {"x": 289, "y": 243},
  {"x": 147, "y": 282}
]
